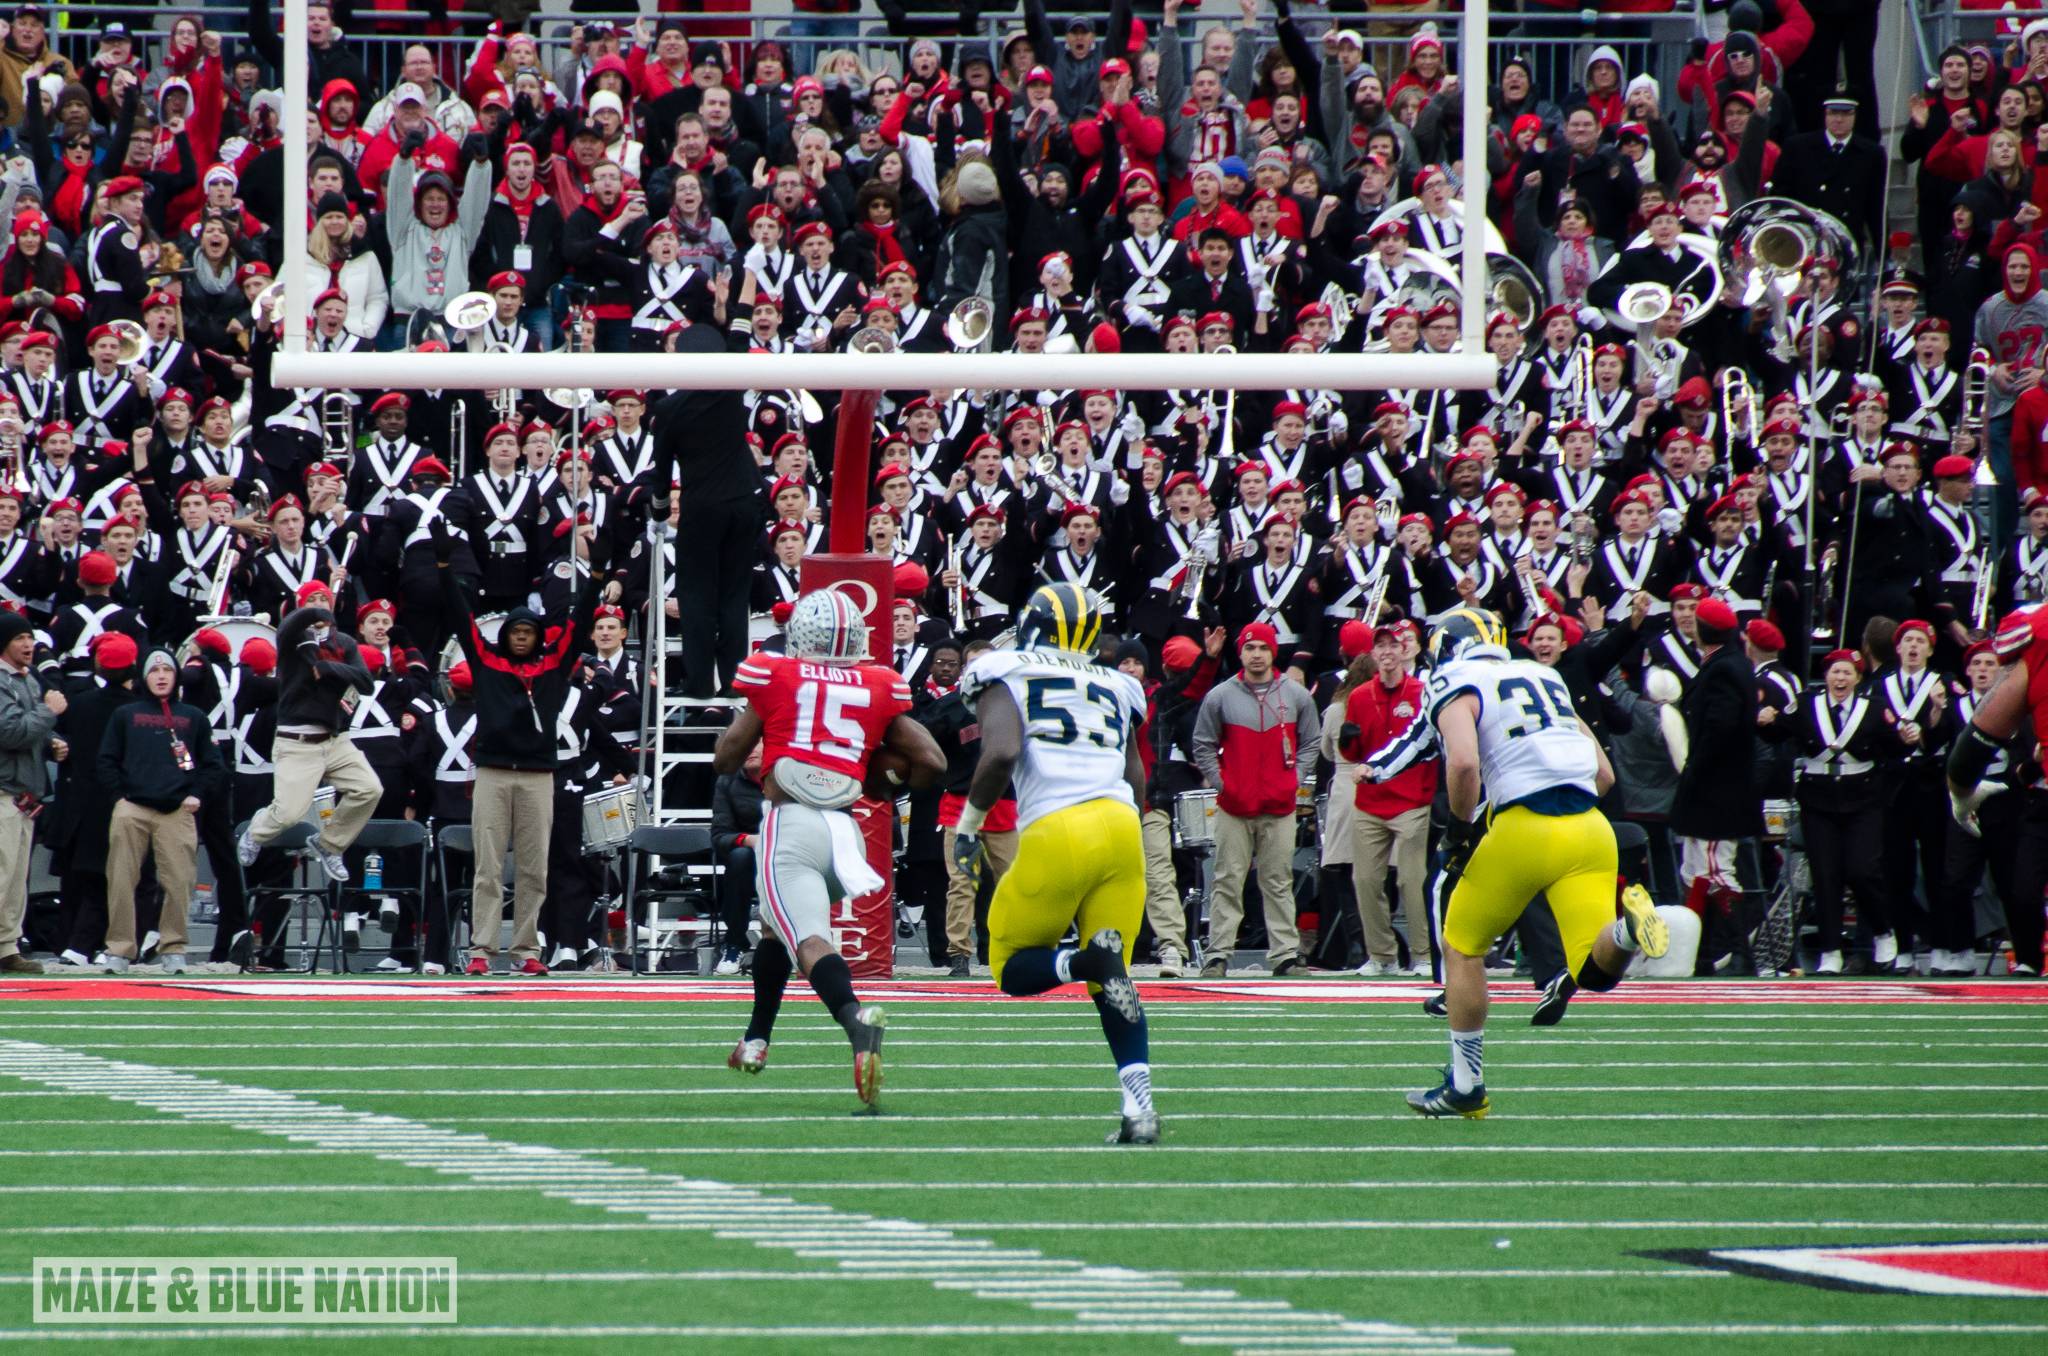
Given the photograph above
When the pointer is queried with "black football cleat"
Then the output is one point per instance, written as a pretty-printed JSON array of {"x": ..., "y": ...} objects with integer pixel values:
[
  {"x": 1445, "y": 1100},
  {"x": 1557, "y": 995},
  {"x": 867, "y": 1054},
  {"x": 1143, "y": 1129},
  {"x": 1436, "y": 1005}
]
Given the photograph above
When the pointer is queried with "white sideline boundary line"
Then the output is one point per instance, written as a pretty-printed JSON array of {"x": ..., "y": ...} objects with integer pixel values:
[
  {"x": 1175, "y": 1090},
  {"x": 1039, "y": 1044},
  {"x": 581, "y": 1178}
]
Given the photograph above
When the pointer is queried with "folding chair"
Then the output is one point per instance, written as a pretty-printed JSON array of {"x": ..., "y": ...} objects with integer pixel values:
[
  {"x": 297, "y": 841},
  {"x": 685, "y": 851},
  {"x": 388, "y": 837}
]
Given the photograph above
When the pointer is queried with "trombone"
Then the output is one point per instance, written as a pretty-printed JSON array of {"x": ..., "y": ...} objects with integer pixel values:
[
  {"x": 1735, "y": 391},
  {"x": 1976, "y": 396},
  {"x": 337, "y": 426},
  {"x": 458, "y": 434}
]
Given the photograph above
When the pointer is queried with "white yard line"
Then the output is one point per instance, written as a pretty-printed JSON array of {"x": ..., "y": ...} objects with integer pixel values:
[
  {"x": 1758, "y": 1329},
  {"x": 1079, "y": 1062},
  {"x": 706, "y": 1277},
  {"x": 661, "y": 1201},
  {"x": 1330, "y": 1118},
  {"x": 370, "y": 1143},
  {"x": 1066, "y": 1184}
]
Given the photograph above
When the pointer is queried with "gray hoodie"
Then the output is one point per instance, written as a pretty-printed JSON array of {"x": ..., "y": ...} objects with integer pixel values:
[{"x": 25, "y": 726}]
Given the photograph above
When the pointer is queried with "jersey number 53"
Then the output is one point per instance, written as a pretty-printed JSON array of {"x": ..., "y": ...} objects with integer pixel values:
[{"x": 1062, "y": 710}]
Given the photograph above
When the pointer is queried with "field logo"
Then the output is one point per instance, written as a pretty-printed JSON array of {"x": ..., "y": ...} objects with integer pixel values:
[
  {"x": 1999, "y": 1270},
  {"x": 265, "y": 1290}
]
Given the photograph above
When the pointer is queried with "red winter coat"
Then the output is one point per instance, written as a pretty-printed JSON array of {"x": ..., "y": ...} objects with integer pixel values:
[{"x": 1382, "y": 714}]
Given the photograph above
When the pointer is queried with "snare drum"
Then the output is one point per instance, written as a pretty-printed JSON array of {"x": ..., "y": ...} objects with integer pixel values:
[
  {"x": 1779, "y": 817},
  {"x": 609, "y": 817},
  {"x": 1194, "y": 819}
]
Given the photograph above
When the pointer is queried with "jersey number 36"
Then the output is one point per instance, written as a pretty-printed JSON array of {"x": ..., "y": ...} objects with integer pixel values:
[
  {"x": 1542, "y": 704},
  {"x": 1063, "y": 710}
]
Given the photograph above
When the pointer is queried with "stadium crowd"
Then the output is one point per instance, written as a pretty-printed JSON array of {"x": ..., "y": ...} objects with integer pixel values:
[{"x": 1747, "y": 527}]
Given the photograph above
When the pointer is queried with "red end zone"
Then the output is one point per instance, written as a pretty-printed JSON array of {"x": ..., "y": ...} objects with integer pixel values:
[{"x": 618, "y": 988}]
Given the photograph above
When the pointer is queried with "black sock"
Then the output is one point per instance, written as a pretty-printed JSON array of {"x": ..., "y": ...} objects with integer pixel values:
[
  {"x": 834, "y": 983},
  {"x": 1030, "y": 971},
  {"x": 1129, "y": 1042},
  {"x": 1091, "y": 965},
  {"x": 1593, "y": 977},
  {"x": 771, "y": 977}
]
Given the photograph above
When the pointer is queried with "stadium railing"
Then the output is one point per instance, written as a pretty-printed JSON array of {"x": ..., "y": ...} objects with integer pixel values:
[{"x": 1557, "y": 42}]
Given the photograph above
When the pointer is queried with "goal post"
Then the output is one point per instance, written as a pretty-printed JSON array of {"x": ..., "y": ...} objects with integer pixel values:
[{"x": 1468, "y": 368}]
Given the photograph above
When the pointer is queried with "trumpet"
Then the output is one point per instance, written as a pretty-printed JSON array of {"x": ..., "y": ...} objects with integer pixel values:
[
  {"x": 337, "y": 426},
  {"x": 1581, "y": 539},
  {"x": 954, "y": 607},
  {"x": 458, "y": 436},
  {"x": 1735, "y": 391},
  {"x": 1376, "y": 601},
  {"x": 1525, "y": 575},
  {"x": 1980, "y": 593},
  {"x": 1045, "y": 469},
  {"x": 11, "y": 432},
  {"x": 872, "y": 339},
  {"x": 1200, "y": 554}
]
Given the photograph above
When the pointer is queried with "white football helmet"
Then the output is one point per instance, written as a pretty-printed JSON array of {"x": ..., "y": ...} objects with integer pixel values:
[{"x": 829, "y": 626}]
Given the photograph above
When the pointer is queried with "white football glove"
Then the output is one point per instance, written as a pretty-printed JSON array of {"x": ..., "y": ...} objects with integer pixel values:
[{"x": 1963, "y": 805}]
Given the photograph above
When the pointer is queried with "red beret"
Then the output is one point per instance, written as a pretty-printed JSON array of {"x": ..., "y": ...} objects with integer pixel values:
[
  {"x": 113, "y": 651},
  {"x": 1765, "y": 635},
  {"x": 1715, "y": 615},
  {"x": 1953, "y": 467},
  {"x": 96, "y": 568},
  {"x": 384, "y": 605},
  {"x": 391, "y": 400},
  {"x": 1835, "y": 657},
  {"x": 1915, "y": 624}
]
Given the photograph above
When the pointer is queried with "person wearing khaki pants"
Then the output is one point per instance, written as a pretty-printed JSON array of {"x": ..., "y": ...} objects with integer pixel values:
[
  {"x": 999, "y": 849},
  {"x": 27, "y": 717},
  {"x": 319, "y": 671},
  {"x": 515, "y": 809},
  {"x": 1163, "y": 909},
  {"x": 1267, "y": 842},
  {"x": 521, "y": 681},
  {"x": 1256, "y": 738},
  {"x": 1401, "y": 840},
  {"x": 159, "y": 758}
]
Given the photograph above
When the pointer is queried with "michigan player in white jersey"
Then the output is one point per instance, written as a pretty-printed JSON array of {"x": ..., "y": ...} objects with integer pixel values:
[
  {"x": 1061, "y": 729},
  {"x": 1508, "y": 725}
]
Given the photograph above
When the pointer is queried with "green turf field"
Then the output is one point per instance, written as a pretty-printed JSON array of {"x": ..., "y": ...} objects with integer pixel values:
[{"x": 1293, "y": 1191}]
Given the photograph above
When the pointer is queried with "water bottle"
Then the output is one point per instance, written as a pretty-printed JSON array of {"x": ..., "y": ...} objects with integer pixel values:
[{"x": 373, "y": 871}]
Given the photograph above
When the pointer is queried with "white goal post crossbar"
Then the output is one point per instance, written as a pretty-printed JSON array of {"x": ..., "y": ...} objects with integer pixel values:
[{"x": 1470, "y": 368}]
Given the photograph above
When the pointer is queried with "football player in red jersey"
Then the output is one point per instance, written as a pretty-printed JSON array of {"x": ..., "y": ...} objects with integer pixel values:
[
  {"x": 2021, "y": 696},
  {"x": 820, "y": 712}
]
